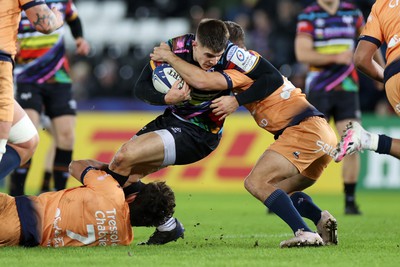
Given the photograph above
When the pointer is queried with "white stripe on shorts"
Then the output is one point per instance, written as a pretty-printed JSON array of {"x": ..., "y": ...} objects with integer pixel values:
[{"x": 169, "y": 147}]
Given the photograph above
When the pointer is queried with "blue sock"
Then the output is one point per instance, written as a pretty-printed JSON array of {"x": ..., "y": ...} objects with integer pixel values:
[
  {"x": 9, "y": 162},
  {"x": 384, "y": 144},
  {"x": 306, "y": 207},
  {"x": 280, "y": 203}
]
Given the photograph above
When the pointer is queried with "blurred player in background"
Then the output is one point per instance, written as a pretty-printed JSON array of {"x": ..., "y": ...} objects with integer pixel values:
[
  {"x": 48, "y": 182},
  {"x": 44, "y": 20},
  {"x": 382, "y": 27},
  {"x": 99, "y": 214},
  {"x": 293, "y": 162},
  {"x": 44, "y": 85},
  {"x": 326, "y": 34}
]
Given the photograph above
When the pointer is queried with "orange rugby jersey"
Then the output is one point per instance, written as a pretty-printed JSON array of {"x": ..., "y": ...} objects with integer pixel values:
[
  {"x": 286, "y": 106},
  {"x": 10, "y": 15},
  {"x": 95, "y": 214},
  {"x": 383, "y": 25}
]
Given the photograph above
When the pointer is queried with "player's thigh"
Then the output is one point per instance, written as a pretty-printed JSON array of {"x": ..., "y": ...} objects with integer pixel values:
[
  {"x": 58, "y": 100},
  {"x": 145, "y": 149},
  {"x": 184, "y": 142},
  {"x": 306, "y": 143},
  {"x": 6, "y": 91}
]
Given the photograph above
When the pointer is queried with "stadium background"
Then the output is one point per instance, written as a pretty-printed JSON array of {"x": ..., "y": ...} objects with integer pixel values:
[{"x": 123, "y": 33}]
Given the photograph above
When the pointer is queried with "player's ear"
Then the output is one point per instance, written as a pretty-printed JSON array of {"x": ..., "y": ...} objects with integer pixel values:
[{"x": 130, "y": 198}]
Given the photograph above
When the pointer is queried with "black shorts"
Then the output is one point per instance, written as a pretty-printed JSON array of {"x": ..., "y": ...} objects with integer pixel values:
[
  {"x": 340, "y": 105},
  {"x": 192, "y": 143},
  {"x": 53, "y": 99}
]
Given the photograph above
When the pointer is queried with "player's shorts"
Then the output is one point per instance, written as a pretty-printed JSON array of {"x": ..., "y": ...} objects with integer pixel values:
[
  {"x": 187, "y": 141},
  {"x": 308, "y": 145},
  {"x": 6, "y": 91},
  {"x": 340, "y": 105},
  {"x": 10, "y": 226},
  {"x": 392, "y": 88},
  {"x": 56, "y": 99}
]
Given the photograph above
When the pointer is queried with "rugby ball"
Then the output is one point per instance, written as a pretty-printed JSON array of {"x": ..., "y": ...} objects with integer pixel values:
[{"x": 164, "y": 76}]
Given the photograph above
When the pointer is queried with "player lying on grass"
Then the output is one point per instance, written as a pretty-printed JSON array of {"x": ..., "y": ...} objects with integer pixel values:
[
  {"x": 95, "y": 214},
  {"x": 294, "y": 162}
]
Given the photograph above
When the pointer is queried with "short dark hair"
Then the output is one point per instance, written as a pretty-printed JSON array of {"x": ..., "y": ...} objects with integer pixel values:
[
  {"x": 236, "y": 33},
  {"x": 213, "y": 34},
  {"x": 153, "y": 205}
]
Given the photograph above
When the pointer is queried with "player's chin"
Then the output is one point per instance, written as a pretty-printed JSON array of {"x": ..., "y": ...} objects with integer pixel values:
[{"x": 206, "y": 67}]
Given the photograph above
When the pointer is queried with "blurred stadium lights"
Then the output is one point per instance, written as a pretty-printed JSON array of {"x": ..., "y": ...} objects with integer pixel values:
[{"x": 106, "y": 23}]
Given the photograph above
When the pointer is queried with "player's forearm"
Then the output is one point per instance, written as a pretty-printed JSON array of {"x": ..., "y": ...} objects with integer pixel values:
[
  {"x": 364, "y": 57},
  {"x": 314, "y": 58},
  {"x": 44, "y": 19},
  {"x": 76, "y": 27},
  {"x": 144, "y": 89},
  {"x": 372, "y": 69},
  {"x": 191, "y": 74}
]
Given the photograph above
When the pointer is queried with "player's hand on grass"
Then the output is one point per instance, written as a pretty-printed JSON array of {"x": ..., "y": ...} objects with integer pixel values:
[{"x": 224, "y": 106}]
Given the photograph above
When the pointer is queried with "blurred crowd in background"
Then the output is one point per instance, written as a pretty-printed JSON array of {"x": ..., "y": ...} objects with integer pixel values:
[{"x": 123, "y": 33}]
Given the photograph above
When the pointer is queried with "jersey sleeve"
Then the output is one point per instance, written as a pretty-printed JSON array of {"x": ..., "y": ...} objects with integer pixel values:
[
  {"x": 304, "y": 25},
  {"x": 144, "y": 89},
  {"x": 99, "y": 180},
  {"x": 26, "y": 4},
  {"x": 360, "y": 23},
  {"x": 238, "y": 79},
  {"x": 71, "y": 12},
  {"x": 241, "y": 59},
  {"x": 372, "y": 31}
]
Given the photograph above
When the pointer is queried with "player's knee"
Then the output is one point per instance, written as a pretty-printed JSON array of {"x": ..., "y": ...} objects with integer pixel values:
[
  {"x": 119, "y": 159},
  {"x": 249, "y": 183},
  {"x": 66, "y": 140},
  {"x": 28, "y": 148},
  {"x": 33, "y": 143}
]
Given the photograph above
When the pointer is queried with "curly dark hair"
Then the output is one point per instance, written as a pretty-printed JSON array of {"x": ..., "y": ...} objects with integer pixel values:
[{"x": 153, "y": 205}]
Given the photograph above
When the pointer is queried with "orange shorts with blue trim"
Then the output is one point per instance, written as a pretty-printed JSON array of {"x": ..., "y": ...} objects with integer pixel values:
[{"x": 309, "y": 146}]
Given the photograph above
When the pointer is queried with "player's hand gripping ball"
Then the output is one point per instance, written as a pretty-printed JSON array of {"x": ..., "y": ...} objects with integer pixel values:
[{"x": 164, "y": 76}]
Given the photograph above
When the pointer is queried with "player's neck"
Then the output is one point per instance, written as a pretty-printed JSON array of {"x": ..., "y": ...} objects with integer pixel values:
[{"x": 330, "y": 7}]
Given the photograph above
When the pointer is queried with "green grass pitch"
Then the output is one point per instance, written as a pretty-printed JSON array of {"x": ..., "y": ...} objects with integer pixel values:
[{"x": 233, "y": 229}]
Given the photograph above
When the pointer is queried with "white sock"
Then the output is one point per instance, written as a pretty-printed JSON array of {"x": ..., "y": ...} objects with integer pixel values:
[
  {"x": 169, "y": 225},
  {"x": 369, "y": 140}
]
